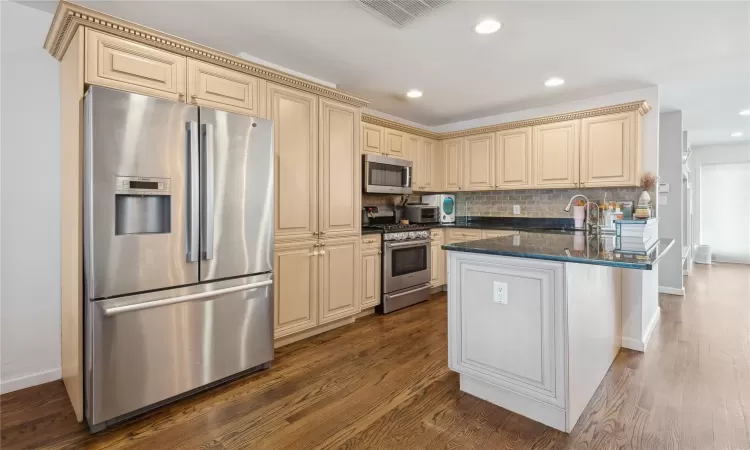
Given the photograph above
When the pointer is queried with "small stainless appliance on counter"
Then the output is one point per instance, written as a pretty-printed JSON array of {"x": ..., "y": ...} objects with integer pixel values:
[
  {"x": 384, "y": 175},
  {"x": 446, "y": 203},
  {"x": 422, "y": 214},
  {"x": 178, "y": 250}
]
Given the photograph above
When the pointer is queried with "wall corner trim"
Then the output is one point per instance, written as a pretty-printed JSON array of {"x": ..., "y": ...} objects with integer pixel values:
[{"x": 671, "y": 290}]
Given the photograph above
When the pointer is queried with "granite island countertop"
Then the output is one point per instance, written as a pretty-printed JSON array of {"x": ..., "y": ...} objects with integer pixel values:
[{"x": 565, "y": 246}]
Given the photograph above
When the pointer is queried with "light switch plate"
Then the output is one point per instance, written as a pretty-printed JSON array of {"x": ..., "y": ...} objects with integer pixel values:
[
  {"x": 662, "y": 199},
  {"x": 516, "y": 240},
  {"x": 664, "y": 187},
  {"x": 516, "y": 209},
  {"x": 500, "y": 292}
]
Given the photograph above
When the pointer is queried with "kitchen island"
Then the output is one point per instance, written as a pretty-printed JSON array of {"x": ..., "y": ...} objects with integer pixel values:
[{"x": 536, "y": 319}]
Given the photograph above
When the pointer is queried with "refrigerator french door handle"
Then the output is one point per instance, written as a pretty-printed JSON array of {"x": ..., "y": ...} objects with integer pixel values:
[
  {"x": 182, "y": 299},
  {"x": 207, "y": 241},
  {"x": 193, "y": 192}
]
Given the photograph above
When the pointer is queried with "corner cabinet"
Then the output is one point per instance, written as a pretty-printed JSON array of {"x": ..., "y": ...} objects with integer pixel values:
[
  {"x": 611, "y": 150},
  {"x": 339, "y": 169},
  {"x": 479, "y": 162},
  {"x": 556, "y": 152},
  {"x": 513, "y": 159},
  {"x": 339, "y": 278},
  {"x": 295, "y": 116}
]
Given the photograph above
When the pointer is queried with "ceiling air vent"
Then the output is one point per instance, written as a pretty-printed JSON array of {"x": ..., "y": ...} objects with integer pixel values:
[{"x": 400, "y": 12}]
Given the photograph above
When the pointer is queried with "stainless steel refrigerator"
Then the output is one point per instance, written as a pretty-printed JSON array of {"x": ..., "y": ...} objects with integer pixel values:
[{"x": 178, "y": 250}]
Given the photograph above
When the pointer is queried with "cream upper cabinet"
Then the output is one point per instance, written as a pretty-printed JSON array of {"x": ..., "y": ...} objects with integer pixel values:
[
  {"x": 453, "y": 164},
  {"x": 395, "y": 143},
  {"x": 339, "y": 168},
  {"x": 611, "y": 150},
  {"x": 339, "y": 278},
  {"x": 513, "y": 159},
  {"x": 370, "y": 281},
  {"x": 295, "y": 116},
  {"x": 129, "y": 66},
  {"x": 556, "y": 154},
  {"x": 373, "y": 139},
  {"x": 411, "y": 152},
  {"x": 296, "y": 287},
  {"x": 479, "y": 162},
  {"x": 427, "y": 164},
  {"x": 220, "y": 88}
]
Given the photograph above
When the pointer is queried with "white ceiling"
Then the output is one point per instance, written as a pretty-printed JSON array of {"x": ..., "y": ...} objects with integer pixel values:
[{"x": 698, "y": 52}]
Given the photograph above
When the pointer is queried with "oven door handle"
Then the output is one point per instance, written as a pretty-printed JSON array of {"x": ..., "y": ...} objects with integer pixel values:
[{"x": 407, "y": 244}]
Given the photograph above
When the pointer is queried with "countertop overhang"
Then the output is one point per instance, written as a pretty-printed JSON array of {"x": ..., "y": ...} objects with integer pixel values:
[{"x": 566, "y": 246}]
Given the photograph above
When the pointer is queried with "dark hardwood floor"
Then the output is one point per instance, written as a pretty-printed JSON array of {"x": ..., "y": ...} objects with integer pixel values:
[{"x": 383, "y": 382}]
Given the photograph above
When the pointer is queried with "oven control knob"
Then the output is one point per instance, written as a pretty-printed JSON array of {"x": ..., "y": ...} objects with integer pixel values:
[
  {"x": 424, "y": 234},
  {"x": 412, "y": 235}
]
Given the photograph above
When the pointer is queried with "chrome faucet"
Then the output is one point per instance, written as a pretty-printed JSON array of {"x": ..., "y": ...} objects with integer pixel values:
[{"x": 590, "y": 224}]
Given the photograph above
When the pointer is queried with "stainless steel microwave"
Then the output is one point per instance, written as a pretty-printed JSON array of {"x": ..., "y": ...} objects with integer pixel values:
[{"x": 384, "y": 175}]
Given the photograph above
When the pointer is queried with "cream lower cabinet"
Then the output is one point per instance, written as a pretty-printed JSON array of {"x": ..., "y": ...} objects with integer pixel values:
[
  {"x": 611, "y": 150},
  {"x": 339, "y": 288},
  {"x": 556, "y": 154},
  {"x": 371, "y": 270},
  {"x": 479, "y": 162},
  {"x": 296, "y": 287}
]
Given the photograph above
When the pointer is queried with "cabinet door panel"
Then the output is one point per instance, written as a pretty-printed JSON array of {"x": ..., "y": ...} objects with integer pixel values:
[
  {"x": 609, "y": 151},
  {"x": 222, "y": 88},
  {"x": 296, "y": 287},
  {"x": 427, "y": 164},
  {"x": 453, "y": 160},
  {"x": 129, "y": 66},
  {"x": 435, "y": 264},
  {"x": 370, "y": 278},
  {"x": 479, "y": 159},
  {"x": 556, "y": 154},
  {"x": 296, "y": 150},
  {"x": 339, "y": 279},
  {"x": 513, "y": 159},
  {"x": 395, "y": 143},
  {"x": 339, "y": 168},
  {"x": 373, "y": 139}
]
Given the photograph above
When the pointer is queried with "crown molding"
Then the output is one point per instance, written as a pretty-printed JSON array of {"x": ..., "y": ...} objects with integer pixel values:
[
  {"x": 70, "y": 16},
  {"x": 375, "y": 120},
  {"x": 642, "y": 107}
]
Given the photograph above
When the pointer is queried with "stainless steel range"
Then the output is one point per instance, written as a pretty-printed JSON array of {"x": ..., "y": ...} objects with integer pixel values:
[{"x": 406, "y": 266}]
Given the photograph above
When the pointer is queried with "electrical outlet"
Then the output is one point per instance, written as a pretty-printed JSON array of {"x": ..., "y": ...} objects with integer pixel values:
[
  {"x": 500, "y": 292},
  {"x": 516, "y": 209}
]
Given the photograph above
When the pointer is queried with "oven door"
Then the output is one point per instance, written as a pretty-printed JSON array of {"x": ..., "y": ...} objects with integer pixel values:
[
  {"x": 384, "y": 175},
  {"x": 406, "y": 264}
]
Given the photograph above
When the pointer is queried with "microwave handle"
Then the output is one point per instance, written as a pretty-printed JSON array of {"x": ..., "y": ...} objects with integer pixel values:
[{"x": 407, "y": 183}]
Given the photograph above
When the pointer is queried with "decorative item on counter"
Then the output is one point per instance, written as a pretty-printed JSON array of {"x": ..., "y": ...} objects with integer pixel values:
[
  {"x": 648, "y": 181},
  {"x": 579, "y": 213}
]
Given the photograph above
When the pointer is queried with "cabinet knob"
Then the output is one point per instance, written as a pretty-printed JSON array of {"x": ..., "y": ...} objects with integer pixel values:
[
  {"x": 323, "y": 244},
  {"x": 315, "y": 233},
  {"x": 193, "y": 98},
  {"x": 322, "y": 233},
  {"x": 181, "y": 95},
  {"x": 379, "y": 252},
  {"x": 322, "y": 252},
  {"x": 583, "y": 184}
]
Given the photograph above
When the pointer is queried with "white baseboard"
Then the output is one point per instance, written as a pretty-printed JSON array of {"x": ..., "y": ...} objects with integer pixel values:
[
  {"x": 637, "y": 344},
  {"x": 14, "y": 384},
  {"x": 671, "y": 290}
]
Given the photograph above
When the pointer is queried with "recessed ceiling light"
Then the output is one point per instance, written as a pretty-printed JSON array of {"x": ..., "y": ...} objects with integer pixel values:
[
  {"x": 414, "y": 93},
  {"x": 745, "y": 112},
  {"x": 488, "y": 26},
  {"x": 554, "y": 81},
  {"x": 736, "y": 134}
]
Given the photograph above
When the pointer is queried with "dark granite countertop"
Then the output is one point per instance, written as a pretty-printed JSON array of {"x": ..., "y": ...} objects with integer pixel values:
[
  {"x": 565, "y": 246},
  {"x": 366, "y": 231}
]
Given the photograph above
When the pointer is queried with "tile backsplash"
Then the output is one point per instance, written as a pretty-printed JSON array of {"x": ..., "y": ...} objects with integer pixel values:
[{"x": 534, "y": 202}]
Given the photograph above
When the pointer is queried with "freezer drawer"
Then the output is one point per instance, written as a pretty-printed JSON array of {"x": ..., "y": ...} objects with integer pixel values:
[{"x": 147, "y": 348}]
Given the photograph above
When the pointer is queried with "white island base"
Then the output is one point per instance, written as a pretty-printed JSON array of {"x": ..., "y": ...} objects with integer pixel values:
[{"x": 542, "y": 347}]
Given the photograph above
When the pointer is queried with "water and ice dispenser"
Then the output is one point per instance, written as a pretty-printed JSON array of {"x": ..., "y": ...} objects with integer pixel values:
[{"x": 142, "y": 205}]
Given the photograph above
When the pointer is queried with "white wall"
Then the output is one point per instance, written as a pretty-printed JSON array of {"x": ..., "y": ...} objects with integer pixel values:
[
  {"x": 712, "y": 154},
  {"x": 670, "y": 214},
  {"x": 29, "y": 200}
]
